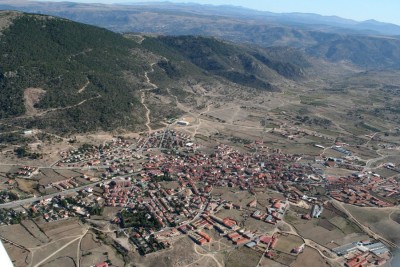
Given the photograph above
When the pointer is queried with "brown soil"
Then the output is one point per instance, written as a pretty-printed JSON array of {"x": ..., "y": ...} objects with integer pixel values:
[
  {"x": 20, "y": 256},
  {"x": 32, "y": 96},
  {"x": 89, "y": 243},
  {"x": 309, "y": 257}
]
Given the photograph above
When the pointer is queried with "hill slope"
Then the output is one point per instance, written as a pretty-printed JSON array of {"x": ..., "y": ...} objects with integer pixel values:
[
  {"x": 71, "y": 77},
  {"x": 251, "y": 67},
  {"x": 61, "y": 57}
]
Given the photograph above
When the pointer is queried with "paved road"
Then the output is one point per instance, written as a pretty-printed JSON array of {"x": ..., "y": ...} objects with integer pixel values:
[
  {"x": 34, "y": 199},
  {"x": 60, "y": 193}
]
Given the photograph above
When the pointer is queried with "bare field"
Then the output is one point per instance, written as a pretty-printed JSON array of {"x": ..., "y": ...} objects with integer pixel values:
[
  {"x": 287, "y": 243},
  {"x": 62, "y": 228},
  {"x": 47, "y": 176},
  {"x": 63, "y": 248},
  {"x": 237, "y": 197},
  {"x": 99, "y": 252},
  {"x": 242, "y": 257},
  {"x": 60, "y": 261},
  {"x": 68, "y": 173},
  {"x": 265, "y": 262},
  {"x": 298, "y": 148},
  {"x": 182, "y": 253},
  {"x": 338, "y": 172},
  {"x": 380, "y": 220},
  {"x": 89, "y": 242},
  {"x": 5, "y": 168},
  {"x": 309, "y": 257},
  {"x": 316, "y": 230},
  {"x": 109, "y": 213},
  {"x": 19, "y": 235},
  {"x": 384, "y": 172},
  {"x": 28, "y": 186},
  {"x": 234, "y": 214},
  {"x": 364, "y": 152},
  {"x": 20, "y": 257},
  {"x": 284, "y": 258},
  {"x": 35, "y": 231},
  {"x": 259, "y": 226}
]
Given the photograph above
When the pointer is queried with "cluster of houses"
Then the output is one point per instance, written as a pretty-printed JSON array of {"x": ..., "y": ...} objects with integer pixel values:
[
  {"x": 165, "y": 139},
  {"x": 200, "y": 238},
  {"x": 273, "y": 214},
  {"x": 364, "y": 189},
  {"x": 65, "y": 184},
  {"x": 26, "y": 171},
  {"x": 132, "y": 179},
  {"x": 61, "y": 207},
  {"x": 226, "y": 227},
  {"x": 91, "y": 155},
  {"x": 363, "y": 253},
  {"x": 51, "y": 209}
]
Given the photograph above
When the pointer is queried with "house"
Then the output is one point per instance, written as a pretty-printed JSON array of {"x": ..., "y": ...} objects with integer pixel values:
[
  {"x": 298, "y": 250},
  {"x": 317, "y": 211},
  {"x": 265, "y": 240},
  {"x": 252, "y": 204}
]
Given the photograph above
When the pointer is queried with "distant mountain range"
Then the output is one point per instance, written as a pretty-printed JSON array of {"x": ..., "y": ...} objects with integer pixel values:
[
  {"x": 369, "y": 44},
  {"x": 293, "y": 19},
  {"x": 123, "y": 10}
]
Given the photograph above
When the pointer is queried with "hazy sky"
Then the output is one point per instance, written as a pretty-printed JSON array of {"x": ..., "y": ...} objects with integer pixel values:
[{"x": 382, "y": 10}]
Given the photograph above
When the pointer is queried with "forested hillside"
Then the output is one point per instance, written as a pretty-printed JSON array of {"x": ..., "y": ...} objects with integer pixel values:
[
  {"x": 70, "y": 77},
  {"x": 60, "y": 57}
]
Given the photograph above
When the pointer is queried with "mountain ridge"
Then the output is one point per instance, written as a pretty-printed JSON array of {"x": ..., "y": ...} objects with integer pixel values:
[
  {"x": 327, "y": 42},
  {"x": 291, "y": 17}
]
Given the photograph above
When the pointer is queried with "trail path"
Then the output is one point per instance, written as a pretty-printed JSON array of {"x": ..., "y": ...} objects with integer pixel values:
[
  {"x": 78, "y": 248},
  {"x": 366, "y": 229},
  {"x": 204, "y": 255},
  {"x": 55, "y": 252},
  {"x": 148, "y": 121},
  {"x": 84, "y": 87},
  {"x": 143, "y": 96}
]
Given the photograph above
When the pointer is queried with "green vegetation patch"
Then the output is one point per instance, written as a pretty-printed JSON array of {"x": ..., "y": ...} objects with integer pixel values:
[
  {"x": 138, "y": 218},
  {"x": 344, "y": 225}
]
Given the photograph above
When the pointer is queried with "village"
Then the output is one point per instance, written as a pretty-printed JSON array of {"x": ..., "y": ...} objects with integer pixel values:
[{"x": 163, "y": 186}]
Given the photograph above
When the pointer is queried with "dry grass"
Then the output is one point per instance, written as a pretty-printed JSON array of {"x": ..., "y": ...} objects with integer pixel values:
[
  {"x": 382, "y": 221},
  {"x": 28, "y": 186},
  {"x": 61, "y": 261},
  {"x": 18, "y": 234},
  {"x": 309, "y": 257},
  {"x": 20, "y": 257},
  {"x": 89, "y": 242},
  {"x": 32, "y": 96},
  {"x": 243, "y": 257},
  {"x": 62, "y": 228},
  {"x": 182, "y": 253},
  {"x": 287, "y": 243}
]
